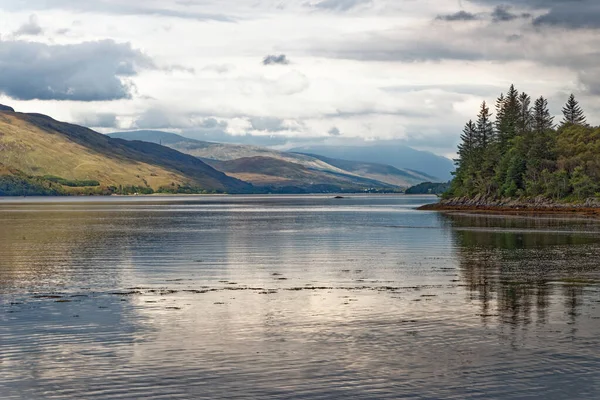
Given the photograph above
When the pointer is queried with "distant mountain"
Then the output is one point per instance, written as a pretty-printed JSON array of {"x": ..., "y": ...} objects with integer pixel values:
[
  {"x": 380, "y": 172},
  {"x": 276, "y": 173},
  {"x": 390, "y": 153},
  {"x": 363, "y": 173},
  {"x": 38, "y": 150}
]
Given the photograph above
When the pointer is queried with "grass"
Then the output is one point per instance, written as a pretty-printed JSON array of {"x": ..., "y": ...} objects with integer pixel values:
[{"x": 39, "y": 152}]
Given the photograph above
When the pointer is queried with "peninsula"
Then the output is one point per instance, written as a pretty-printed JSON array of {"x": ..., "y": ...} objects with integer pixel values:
[{"x": 521, "y": 160}]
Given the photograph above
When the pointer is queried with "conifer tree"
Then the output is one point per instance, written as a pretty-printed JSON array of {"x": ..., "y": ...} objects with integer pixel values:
[
  {"x": 542, "y": 120},
  {"x": 484, "y": 128},
  {"x": 507, "y": 118},
  {"x": 469, "y": 142},
  {"x": 525, "y": 121},
  {"x": 500, "y": 108},
  {"x": 573, "y": 114}
]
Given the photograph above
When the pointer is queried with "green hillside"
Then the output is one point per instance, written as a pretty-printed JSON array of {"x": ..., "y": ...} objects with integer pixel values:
[{"x": 72, "y": 159}]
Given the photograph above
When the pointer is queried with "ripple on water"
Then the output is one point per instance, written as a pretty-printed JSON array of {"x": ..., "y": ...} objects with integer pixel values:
[{"x": 294, "y": 297}]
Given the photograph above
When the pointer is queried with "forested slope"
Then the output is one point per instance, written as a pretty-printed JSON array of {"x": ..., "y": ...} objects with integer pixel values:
[{"x": 521, "y": 153}]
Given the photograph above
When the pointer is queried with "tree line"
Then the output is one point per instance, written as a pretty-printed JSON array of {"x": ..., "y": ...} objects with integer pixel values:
[{"x": 522, "y": 152}]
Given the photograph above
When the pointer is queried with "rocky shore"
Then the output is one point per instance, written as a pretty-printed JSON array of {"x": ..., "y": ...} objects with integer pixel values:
[{"x": 536, "y": 205}]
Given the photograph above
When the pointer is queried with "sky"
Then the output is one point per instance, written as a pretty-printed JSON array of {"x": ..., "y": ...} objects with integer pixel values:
[{"x": 295, "y": 72}]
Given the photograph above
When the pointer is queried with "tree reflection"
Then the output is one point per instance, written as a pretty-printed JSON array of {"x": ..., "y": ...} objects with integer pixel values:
[{"x": 521, "y": 269}]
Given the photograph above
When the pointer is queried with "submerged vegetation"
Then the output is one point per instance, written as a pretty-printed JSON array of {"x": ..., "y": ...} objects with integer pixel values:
[{"x": 523, "y": 153}]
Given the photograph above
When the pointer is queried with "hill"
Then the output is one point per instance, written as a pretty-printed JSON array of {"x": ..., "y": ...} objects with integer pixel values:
[
  {"x": 390, "y": 153},
  {"x": 380, "y": 172},
  {"x": 277, "y": 174},
  {"x": 363, "y": 172},
  {"x": 74, "y": 159}
]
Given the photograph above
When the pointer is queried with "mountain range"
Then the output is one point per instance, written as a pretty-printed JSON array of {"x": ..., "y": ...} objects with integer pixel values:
[
  {"x": 390, "y": 153},
  {"x": 322, "y": 169},
  {"x": 40, "y": 155}
]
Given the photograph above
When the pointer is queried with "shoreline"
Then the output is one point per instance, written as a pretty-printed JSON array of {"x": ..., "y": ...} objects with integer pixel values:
[{"x": 590, "y": 208}]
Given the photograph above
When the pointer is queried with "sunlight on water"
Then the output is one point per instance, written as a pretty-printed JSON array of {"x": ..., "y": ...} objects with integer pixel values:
[{"x": 294, "y": 297}]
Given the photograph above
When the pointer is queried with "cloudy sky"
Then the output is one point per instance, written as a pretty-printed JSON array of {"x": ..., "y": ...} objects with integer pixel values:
[{"x": 294, "y": 71}]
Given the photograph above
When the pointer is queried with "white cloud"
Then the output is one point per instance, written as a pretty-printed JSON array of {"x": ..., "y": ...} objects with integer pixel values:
[{"x": 371, "y": 69}]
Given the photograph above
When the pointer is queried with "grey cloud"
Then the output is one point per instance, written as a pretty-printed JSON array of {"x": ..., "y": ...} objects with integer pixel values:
[
  {"x": 334, "y": 132},
  {"x": 212, "y": 124},
  {"x": 89, "y": 71},
  {"x": 31, "y": 27},
  {"x": 276, "y": 59},
  {"x": 98, "y": 120},
  {"x": 129, "y": 7},
  {"x": 585, "y": 14},
  {"x": 590, "y": 80},
  {"x": 160, "y": 119},
  {"x": 572, "y": 14},
  {"x": 458, "y": 16},
  {"x": 268, "y": 124},
  {"x": 502, "y": 13},
  {"x": 340, "y": 5}
]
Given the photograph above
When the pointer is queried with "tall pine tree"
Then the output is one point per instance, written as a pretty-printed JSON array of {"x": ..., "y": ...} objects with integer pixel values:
[
  {"x": 573, "y": 114},
  {"x": 469, "y": 143},
  {"x": 542, "y": 120},
  {"x": 484, "y": 128},
  {"x": 507, "y": 118},
  {"x": 525, "y": 120}
]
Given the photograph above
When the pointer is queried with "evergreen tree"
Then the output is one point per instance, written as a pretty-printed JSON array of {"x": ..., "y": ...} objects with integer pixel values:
[
  {"x": 507, "y": 118},
  {"x": 542, "y": 120},
  {"x": 500, "y": 109},
  {"x": 484, "y": 128},
  {"x": 573, "y": 114},
  {"x": 469, "y": 142},
  {"x": 522, "y": 154},
  {"x": 525, "y": 121}
]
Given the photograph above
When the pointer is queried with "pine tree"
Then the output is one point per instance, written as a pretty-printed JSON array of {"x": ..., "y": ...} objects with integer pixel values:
[
  {"x": 573, "y": 114},
  {"x": 469, "y": 142},
  {"x": 525, "y": 121},
  {"x": 542, "y": 120},
  {"x": 500, "y": 109},
  {"x": 484, "y": 128},
  {"x": 507, "y": 118}
]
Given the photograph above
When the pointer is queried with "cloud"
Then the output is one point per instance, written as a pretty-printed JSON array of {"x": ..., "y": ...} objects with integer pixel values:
[
  {"x": 129, "y": 7},
  {"x": 276, "y": 60},
  {"x": 571, "y": 14},
  {"x": 89, "y": 71},
  {"x": 340, "y": 5},
  {"x": 458, "y": 16},
  {"x": 219, "y": 68},
  {"x": 583, "y": 15},
  {"x": 334, "y": 131},
  {"x": 502, "y": 13},
  {"x": 98, "y": 120},
  {"x": 30, "y": 28},
  {"x": 267, "y": 124}
]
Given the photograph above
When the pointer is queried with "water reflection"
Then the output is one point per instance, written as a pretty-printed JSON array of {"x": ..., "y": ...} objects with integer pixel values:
[
  {"x": 294, "y": 297},
  {"x": 519, "y": 268}
]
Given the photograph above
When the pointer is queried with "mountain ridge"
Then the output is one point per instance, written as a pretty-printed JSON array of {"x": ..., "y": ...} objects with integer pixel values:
[{"x": 208, "y": 151}]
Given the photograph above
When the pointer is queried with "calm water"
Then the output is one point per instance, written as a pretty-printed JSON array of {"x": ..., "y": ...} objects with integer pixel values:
[{"x": 294, "y": 297}]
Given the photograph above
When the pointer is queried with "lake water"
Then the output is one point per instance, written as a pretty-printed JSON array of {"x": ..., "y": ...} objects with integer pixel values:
[{"x": 304, "y": 297}]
